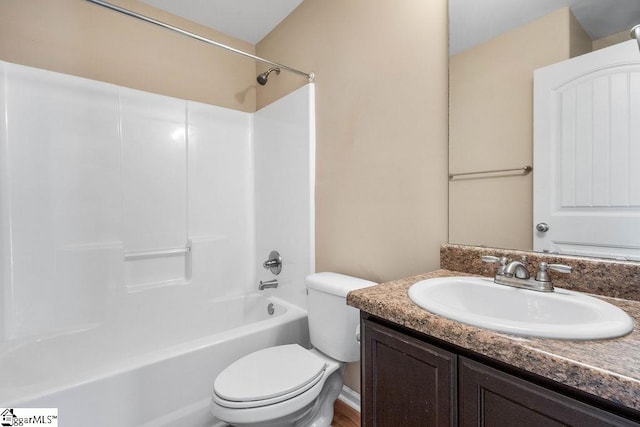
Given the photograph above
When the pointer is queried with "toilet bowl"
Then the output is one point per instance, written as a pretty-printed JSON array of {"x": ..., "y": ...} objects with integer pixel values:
[
  {"x": 291, "y": 380},
  {"x": 289, "y": 385}
]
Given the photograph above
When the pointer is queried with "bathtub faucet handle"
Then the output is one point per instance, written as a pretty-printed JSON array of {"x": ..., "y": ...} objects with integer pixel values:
[
  {"x": 274, "y": 263},
  {"x": 273, "y": 283}
]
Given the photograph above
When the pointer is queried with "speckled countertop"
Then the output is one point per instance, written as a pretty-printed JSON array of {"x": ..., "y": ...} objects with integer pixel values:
[{"x": 607, "y": 368}]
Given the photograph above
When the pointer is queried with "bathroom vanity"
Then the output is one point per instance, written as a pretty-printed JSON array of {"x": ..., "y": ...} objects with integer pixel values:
[
  {"x": 414, "y": 380},
  {"x": 422, "y": 369}
]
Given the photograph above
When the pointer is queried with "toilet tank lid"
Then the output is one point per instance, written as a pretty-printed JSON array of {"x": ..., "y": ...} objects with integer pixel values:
[{"x": 335, "y": 283}]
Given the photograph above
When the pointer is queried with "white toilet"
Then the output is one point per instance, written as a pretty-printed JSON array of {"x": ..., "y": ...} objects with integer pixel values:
[{"x": 289, "y": 385}]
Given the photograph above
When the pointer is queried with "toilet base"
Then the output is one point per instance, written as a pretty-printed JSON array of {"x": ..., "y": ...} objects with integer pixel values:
[{"x": 321, "y": 414}]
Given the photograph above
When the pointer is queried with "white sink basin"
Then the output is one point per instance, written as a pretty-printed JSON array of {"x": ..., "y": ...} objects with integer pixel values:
[{"x": 560, "y": 314}]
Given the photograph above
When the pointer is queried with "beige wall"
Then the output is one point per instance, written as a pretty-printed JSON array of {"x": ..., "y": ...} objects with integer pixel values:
[
  {"x": 579, "y": 41},
  {"x": 381, "y": 110},
  {"x": 491, "y": 127},
  {"x": 612, "y": 39},
  {"x": 80, "y": 38}
]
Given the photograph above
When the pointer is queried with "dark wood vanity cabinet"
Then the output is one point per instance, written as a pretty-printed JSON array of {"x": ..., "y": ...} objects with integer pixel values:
[
  {"x": 408, "y": 381},
  {"x": 489, "y": 397}
]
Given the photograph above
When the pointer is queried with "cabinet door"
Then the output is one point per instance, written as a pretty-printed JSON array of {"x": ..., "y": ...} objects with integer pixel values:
[
  {"x": 494, "y": 399},
  {"x": 406, "y": 382}
]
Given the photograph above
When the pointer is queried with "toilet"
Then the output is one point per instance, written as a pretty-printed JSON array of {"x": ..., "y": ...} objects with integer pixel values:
[{"x": 289, "y": 385}]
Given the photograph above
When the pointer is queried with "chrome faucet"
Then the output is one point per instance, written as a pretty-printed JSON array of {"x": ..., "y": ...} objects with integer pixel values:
[
  {"x": 516, "y": 269},
  {"x": 515, "y": 274},
  {"x": 268, "y": 284}
]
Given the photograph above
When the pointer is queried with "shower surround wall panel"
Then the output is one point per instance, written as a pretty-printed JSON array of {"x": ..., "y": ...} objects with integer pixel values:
[
  {"x": 154, "y": 169},
  {"x": 221, "y": 192},
  {"x": 64, "y": 208},
  {"x": 100, "y": 184},
  {"x": 285, "y": 183},
  {"x": 5, "y": 234},
  {"x": 97, "y": 172}
]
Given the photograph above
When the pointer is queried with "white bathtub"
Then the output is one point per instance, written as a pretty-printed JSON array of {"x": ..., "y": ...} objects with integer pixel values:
[{"x": 145, "y": 366}]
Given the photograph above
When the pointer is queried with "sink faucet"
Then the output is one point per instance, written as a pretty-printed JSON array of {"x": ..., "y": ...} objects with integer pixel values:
[
  {"x": 517, "y": 269},
  {"x": 515, "y": 274}
]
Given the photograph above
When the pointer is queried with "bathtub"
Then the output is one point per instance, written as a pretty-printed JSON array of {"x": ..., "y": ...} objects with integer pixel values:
[{"x": 149, "y": 365}]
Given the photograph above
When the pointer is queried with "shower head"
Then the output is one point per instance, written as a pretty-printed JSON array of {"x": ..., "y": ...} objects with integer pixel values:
[
  {"x": 262, "y": 77},
  {"x": 635, "y": 34}
]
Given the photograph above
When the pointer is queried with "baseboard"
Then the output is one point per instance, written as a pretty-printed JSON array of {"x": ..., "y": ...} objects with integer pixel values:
[{"x": 350, "y": 397}]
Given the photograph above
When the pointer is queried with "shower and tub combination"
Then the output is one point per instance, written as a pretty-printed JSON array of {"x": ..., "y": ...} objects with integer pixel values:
[
  {"x": 133, "y": 230},
  {"x": 143, "y": 367}
]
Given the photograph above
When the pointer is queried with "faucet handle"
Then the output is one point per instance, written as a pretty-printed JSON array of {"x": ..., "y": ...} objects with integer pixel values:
[
  {"x": 493, "y": 259},
  {"x": 543, "y": 274},
  {"x": 274, "y": 263},
  {"x": 560, "y": 268}
]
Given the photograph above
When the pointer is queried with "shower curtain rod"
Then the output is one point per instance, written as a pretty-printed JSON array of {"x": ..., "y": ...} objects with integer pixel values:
[{"x": 310, "y": 76}]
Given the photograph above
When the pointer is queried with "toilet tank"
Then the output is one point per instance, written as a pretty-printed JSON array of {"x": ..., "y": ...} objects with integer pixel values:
[{"x": 332, "y": 323}]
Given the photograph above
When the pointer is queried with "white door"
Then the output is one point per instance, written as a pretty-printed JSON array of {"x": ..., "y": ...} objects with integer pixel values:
[{"x": 587, "y": 154}]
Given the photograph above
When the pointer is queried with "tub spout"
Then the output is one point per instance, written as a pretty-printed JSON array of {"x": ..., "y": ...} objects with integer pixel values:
[{"x": 268, "y": 284}]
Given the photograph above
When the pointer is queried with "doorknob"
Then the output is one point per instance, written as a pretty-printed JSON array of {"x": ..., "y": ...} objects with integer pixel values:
[{"x": 542, "y": 227}]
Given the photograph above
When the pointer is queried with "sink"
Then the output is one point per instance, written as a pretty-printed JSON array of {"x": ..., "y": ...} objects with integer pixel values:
[{"x": 561, "y": 314}]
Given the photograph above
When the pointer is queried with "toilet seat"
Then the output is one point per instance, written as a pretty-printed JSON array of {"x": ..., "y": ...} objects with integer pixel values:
[{"x": 268, "y": 376}]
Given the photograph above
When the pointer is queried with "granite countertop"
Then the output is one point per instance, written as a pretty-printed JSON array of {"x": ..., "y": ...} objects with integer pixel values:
[{"x": 609, "y": 369}]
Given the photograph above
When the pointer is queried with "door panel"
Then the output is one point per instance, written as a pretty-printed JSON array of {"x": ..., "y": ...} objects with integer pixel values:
[{"x": 587, "y": 152}]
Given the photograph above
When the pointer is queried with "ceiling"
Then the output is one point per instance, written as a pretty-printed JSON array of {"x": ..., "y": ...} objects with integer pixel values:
[
  {"x": 248, "y": 20},
  {"x": 471, "y": 21}
]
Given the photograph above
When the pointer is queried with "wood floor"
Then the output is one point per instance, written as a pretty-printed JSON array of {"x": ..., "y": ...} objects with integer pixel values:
[{"x": 344, "y": 415}]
